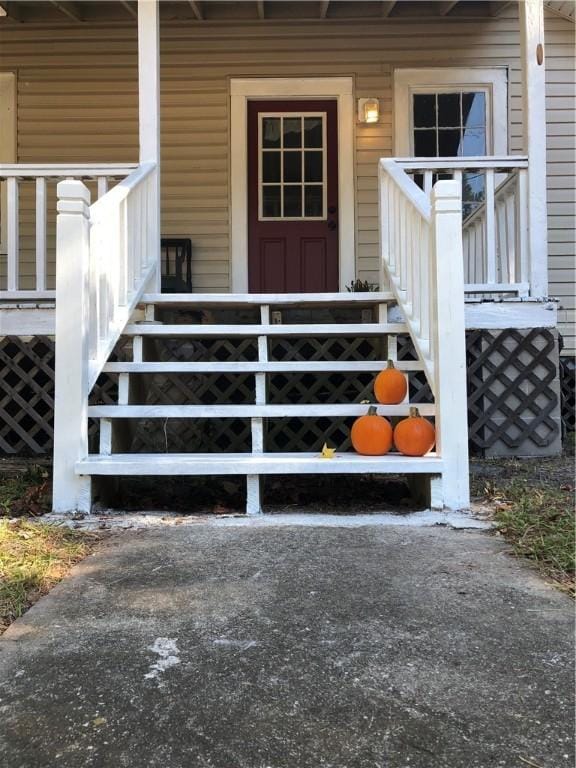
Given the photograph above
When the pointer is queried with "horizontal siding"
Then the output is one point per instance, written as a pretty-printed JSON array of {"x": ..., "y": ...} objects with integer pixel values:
[{"x": 77, "y": 102}]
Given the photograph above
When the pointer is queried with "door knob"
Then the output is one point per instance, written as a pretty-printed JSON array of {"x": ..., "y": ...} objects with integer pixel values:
[{"x": 332, "y": 224}]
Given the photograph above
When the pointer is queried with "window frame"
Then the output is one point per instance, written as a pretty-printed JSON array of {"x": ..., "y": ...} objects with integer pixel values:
[
  {"x": 492, "y": 81},
  {"x": 261, "y": 150}
]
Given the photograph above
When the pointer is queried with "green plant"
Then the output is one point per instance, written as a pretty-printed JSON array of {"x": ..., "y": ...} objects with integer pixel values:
[{"x": 361, "y": 286}]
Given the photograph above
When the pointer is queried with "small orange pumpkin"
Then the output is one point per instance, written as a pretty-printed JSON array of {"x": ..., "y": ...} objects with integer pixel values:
[
  {"x": 371, "y": 434},
  {"x": 414, "y": 436},
  {"x": 390, "y": 386}
]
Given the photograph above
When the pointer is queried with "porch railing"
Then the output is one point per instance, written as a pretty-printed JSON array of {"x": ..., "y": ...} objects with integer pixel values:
[
  {"x": 421, "y": 259},
  {"x": 107, "y": 254},
  {"x": 28, "y": 215},
  {"x": 495, "y": 218}
]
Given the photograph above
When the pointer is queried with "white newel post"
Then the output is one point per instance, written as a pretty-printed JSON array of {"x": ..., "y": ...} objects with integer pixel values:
[
  {"x": 70, "y": 492},
  {"x": 447, "y": 275},
  {"x": 149, "y": 110},
  {"x": 531, "y": 13}
]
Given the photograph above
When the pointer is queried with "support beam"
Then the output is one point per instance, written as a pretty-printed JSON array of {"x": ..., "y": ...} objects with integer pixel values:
[
  {"x": 69, "y": 9},
  {"x": 130, "y": 8},
  {"x": 324, "y": 8},
  {"x": 387, "y": 8},
  {"x": 445, "y": 8},
  {"x": 261, "y": 10},
  {"x": 531, "y": 14},
  {"x": 149, "y": 104},
  {"x": 196, "y": 9}
]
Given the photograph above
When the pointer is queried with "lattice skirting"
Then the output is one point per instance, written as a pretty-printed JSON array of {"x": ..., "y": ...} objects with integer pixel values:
[
  {"x": 513, "y": 394},
  {"x": 568, "y": 386}
]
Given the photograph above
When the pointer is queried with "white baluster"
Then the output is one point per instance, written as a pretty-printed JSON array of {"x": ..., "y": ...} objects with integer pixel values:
[
  {"x": 510, "y": 207},
  {"x": 523, "y": 242},
  {"x": 490, "y": 234},
  {"x": 13, "y": 238},
  {"x": 40, "y": 234}
]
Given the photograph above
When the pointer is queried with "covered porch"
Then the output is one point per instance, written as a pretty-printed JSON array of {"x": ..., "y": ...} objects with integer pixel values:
[{"x": 436, "y": 244}]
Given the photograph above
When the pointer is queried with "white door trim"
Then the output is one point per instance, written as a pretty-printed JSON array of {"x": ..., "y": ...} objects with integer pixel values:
[
  {"x": 493, "y": 79},
  {"x": 243, "y": 89}
]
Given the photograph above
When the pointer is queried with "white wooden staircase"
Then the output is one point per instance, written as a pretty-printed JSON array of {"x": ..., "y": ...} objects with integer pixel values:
[
  {"x": 107, "y": 273},
  {"x": 258, "y": 462}
]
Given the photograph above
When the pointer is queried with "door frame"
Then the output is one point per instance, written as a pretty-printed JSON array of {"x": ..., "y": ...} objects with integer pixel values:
[{"x": 242, "y": 90}]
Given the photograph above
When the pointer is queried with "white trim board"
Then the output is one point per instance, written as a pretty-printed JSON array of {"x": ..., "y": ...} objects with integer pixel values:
[
  {"x": 492, "y": 79},
  {"x": 496, "y": 315},
  {"x": 241, "y": 91}
]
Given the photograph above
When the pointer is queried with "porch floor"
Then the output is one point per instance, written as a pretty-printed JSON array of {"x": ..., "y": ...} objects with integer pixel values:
[{"x": 291, "y": 647}]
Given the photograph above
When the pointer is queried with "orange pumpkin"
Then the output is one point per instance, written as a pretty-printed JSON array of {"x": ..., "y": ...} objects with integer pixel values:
[
  {"x": 371, "y": 434},
  {"x": 390, "y": 386},
  {"x": 414, "y": 436}
]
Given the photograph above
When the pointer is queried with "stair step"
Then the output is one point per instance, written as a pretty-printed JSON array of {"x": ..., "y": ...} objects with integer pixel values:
[
  {"x": 255, "y": 464},
  {"x": 224, "y": 331},
  {"x": 275, "y": 299},
  {"x": 287, "y": 366},
  {"x": 248, "y": 411}
]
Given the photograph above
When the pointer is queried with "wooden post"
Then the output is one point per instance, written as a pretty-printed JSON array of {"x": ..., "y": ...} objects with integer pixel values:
[
  {"x": 447, "y": 273},
  {"x": 70, "y": 492},
  {"x": 531, "y": 14},
  {"x": 149, "y": 112}
]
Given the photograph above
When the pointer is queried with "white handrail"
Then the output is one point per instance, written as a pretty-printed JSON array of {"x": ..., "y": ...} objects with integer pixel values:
[
  {"x": 123, "y": 257},
  {"x": 107, "y": 255},
  {"x": 421, "y": 257}
]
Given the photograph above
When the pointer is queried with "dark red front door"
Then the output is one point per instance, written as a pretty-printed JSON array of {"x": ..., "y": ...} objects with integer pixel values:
[{"x": 292, "y": 196}]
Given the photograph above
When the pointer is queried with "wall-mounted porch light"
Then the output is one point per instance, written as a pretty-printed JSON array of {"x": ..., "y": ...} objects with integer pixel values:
[{"x": 368, "y": 110}]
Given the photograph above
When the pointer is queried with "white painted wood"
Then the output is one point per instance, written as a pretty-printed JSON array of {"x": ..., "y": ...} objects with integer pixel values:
[
  {"x": 65, "y": 170},
  {"x": 137, "y": 349},
  {"x": 313, "y": 329},
  {"x": 122, "y": 261},
  {"x": 149, "y": 120},
  {"x": 523, "y": 237},
  {"x": 234, "y": 300},
  {"x": 13, "y": 238},
  {"x": 531, "y": 14},
  {"x": 253, "y": 495},
  {"x": 123, "y": 388},
  {"x": 102, "y": 186},
  {"x": 105, "y": 441},
  {"x": 513, "y": 314},
  {"x": 288, "y": 366},
  {"x": 40, "y": 234},
  {"x": 490, "y": 232},
  {"x": 449, "y": 343},
  {"x": 446, "y": 164},
  {"x": 27, "y": 322},
  {"x": 71, "y": 492},
  {"x": 243, "y": 89},
  {"x": 247, "y": 411},
  {"x": 493, "y": 81},
  {"x": 517, "y": 288},
  {"x": 245, "y": 463}
]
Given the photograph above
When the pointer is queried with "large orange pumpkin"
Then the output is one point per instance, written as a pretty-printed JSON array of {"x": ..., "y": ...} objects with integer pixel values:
[
  {"x": 390, "y": 386},
  {"x": 414, "y": 436},
  {"x": 371, "y": 434}
]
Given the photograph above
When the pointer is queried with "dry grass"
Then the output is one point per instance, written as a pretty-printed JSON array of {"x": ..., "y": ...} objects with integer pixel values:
[
  {"x": 533, "y": 505},
  {"x": 34, "y": 557}
]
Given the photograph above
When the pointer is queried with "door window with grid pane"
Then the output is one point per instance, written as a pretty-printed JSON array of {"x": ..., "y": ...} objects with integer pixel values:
[{"x": 292, "y": 166}]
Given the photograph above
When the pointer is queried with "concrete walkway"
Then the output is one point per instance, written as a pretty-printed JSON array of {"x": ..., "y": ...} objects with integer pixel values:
[{"x": 291, "y": 647}]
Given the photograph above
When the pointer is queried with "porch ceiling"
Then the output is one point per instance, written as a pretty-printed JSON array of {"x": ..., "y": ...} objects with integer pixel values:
[{"x": 202, "y": 11}]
